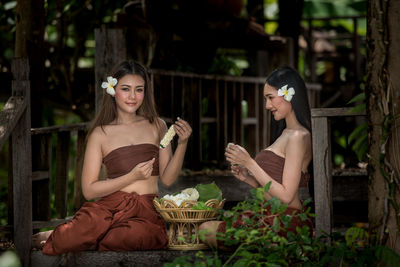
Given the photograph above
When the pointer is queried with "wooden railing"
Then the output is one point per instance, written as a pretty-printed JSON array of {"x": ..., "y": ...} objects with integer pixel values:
[
  {"x": 221, "y": 109},
  {"x": 321, "y": 137},
  {"x": 15, "y": 124},
  {"x": 42, "y": 147}
]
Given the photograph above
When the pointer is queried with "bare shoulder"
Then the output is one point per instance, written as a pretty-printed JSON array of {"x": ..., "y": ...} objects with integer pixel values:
[
  {"x": 298, "y": 138},
  {"x": 299, "y": 134},
  {"x": 162, "y": 126},
  {"x": 98, "y": 134},
  {"x": 162, "y": 123}
]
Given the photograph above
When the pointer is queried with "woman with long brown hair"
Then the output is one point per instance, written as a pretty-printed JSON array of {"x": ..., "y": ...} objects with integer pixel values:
[{"x": 125, "y": 137}]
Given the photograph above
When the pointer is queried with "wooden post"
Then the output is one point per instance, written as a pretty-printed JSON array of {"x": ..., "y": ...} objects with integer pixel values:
[
  {"x": 22, "y": 164},
  {"x": 41, "y": 176},
  {"x": 322, "y": 175},
  {"x": 110, "y": 49},
  {"x": 80, "y": 153},
  {"x": 61, "y": 179}
]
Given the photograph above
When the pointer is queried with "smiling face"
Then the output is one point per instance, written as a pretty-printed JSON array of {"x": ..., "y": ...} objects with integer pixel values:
[
  {"x": 279, "y": 107},
  {"x": 129, "y": 93}
]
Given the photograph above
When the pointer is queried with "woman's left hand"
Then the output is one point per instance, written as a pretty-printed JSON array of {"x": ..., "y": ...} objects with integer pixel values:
[
  {"x": 183, "y": 129},
  {"x": 236, "y": 154}
]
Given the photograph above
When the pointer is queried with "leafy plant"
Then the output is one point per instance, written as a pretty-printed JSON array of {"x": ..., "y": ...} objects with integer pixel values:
[{"x": 255, "y": 243}]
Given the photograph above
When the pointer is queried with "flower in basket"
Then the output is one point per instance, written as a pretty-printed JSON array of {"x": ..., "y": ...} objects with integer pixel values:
[
  {"x": 192, "y": 192},
  {"x": 184, "y": 195},
  {"x": 200, "y": 194}
]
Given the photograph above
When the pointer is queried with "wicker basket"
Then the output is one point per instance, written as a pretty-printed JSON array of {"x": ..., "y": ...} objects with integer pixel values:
[{"x": 184, "y": 222}]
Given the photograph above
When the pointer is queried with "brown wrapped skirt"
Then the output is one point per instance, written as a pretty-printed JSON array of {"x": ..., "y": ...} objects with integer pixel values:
[{"x": 119, "y": 222}]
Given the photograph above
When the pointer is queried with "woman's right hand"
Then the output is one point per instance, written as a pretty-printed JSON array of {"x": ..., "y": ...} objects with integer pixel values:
[
  {"x": 143, "y": 170},
  {"x": 239, "y": 172}
]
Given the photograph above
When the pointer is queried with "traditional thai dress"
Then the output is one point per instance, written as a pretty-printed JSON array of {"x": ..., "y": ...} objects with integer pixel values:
[
  {"x": 273, "y": 165},
  {"x": 120, "y": 221}
]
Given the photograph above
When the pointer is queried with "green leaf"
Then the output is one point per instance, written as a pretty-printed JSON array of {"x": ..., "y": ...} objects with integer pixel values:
[
  {"x": 276, "y": 225},
  {"x": 359, "y": 142},
  {"x": 358, "y": 108},
  {"x": 241, "y": 263},
  {"x": 209, "y": 191},
  {"x": 356, "y": 132},
  {"x": 275, "y": 204},
  {"x": 267, "y": 186},
  {"x": 359, "y": 97},
  {"x": 201, "y": 206},
  {"x": 390, "y": 257}
]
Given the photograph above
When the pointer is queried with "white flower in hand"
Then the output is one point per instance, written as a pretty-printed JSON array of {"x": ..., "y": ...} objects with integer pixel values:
[
  {"x": 286, "y": 93},
  {"x": 168, "y": 137},
  {"x": 109, "y": 85}
]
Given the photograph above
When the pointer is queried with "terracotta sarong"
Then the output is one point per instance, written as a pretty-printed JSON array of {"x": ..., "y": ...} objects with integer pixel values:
[{"x": 120, "y": 221}]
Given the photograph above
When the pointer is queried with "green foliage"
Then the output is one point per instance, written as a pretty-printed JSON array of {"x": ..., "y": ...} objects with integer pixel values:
[
  {"x": 256, "y": 243},
  {"x": 359, "y": 136},
  {"x": 201, "y": 205},
  {"x": 209, "y": 191},
  {"x": 226, "y": 64}
]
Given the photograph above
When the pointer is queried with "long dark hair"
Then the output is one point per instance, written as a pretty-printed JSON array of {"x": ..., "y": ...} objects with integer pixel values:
[
  {"x": 108, "y": 109},
  {"x": 287, "y": 75}
]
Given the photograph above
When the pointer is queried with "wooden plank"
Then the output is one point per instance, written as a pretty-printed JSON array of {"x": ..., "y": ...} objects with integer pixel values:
[
  {"x": 61, "y": 178},
  {"x": 208, "y": 120},
  {"x": 239, "y": 115},
  {"x": 80, "y": 154},
  {"x": 41, "y": 176},
  {"x": 22, "y": 165},
  {"x": 51, "y": 223},
  {"x": 250, "y": 121},
  {"x": 322, "y": 175},
  {"x": 10, "y": 197},
  {"x": 61, "y": 128},
  {"x": 334, "y": 112},
  {"x": 11, "y": 113},
  {"x": 110, "y": 49}
]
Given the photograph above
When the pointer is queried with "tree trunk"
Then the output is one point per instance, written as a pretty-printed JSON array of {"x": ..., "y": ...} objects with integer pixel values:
[
  {"x": 29, "y": 43},
  {"x": 383, "y": 111}
]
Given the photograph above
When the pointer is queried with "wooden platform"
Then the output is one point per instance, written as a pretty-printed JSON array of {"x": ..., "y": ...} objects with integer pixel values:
[{"x": 148, "y": 258}]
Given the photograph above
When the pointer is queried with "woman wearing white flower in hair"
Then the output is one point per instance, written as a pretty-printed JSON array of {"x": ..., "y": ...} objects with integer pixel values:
[
  {"x": 285, "y": 162},
  {"x": 125, "y": 137}
]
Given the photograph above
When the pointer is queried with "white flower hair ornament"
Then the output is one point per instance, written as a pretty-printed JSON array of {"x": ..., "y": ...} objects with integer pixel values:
[
  {"x": 109, "y": 85},
  {"x": 286, "y": 93}
]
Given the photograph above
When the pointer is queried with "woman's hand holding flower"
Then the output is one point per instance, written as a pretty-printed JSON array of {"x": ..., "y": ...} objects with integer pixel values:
[
  {"x": 183, "y": 129},
  {"x": 237, "y": 155}
]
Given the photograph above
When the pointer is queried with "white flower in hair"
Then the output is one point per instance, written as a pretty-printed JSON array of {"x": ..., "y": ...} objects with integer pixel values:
[
  {"x": 286, "y": 93},
  {"x": 109, "y": 85}
]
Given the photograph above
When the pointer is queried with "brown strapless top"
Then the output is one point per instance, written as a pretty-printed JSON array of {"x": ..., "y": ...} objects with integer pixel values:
[
  {"x": 273, "y": 165},
  {"x": 122, "y": 160}
]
